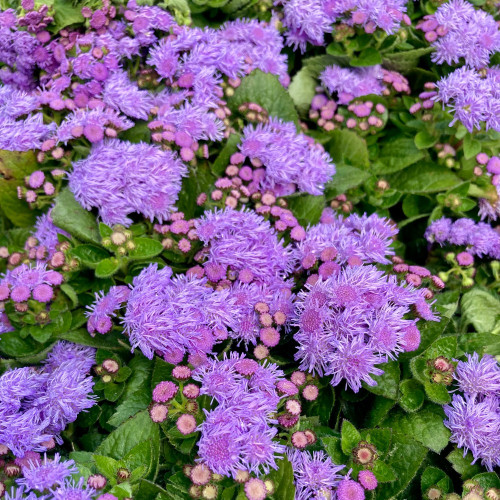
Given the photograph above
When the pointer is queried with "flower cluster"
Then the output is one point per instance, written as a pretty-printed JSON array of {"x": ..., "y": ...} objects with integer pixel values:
[
  {"x": 239, "y": 433},
  {"x": 172, "y": 316},
  {"x": 309, "y": 22},
  {"x": 99, "y": 314},
  {"x": 283, "y": 160},
  {"x": 346, "y": 239},
  {"x": 458, "y": 30},
  {"x": 472, "y": 416},
  {"x": 36, "y": 405},
  {"x": 120, "y": 178},
  {"x": 353, "y": 320},
  {"x": 26, "y": 282},
  {"x": 478, "y": 238}
]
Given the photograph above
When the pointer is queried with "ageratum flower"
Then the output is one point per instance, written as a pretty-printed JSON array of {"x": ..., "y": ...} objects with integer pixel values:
[
  {"x": 350, "y": 322},
  {"x": 46, "y": 233},
  {"x": 315, "y": 475},
  {"x": 478, "y": 377},
  {"x": 172, "y": 316},
  {"x": 366, "y": 237},
  {"x": 243, "y": 240},
  {"x": 22, "y": 494},
  {"x": 15, "y": 103},
  {"x": 124, "y": 95},
  {"x": 35, "y": 405},
  {"x": 47, "y": 474},
  {"x": 462, "y": 38},
  {"x": 479, "y": 238},
  {"x": 73, "y": 490},
  {"x": 472, "y": 98},
  {"x": 475, "y": 426},
  {"x": 120, "y": 178},
  {"x": 23, "y": 135},
  {"x": 349, "y": 83},
  {"x": 239, "y": 433},
  {"x": 99, "y": 314},
  {"x": 292, "y": 161}
]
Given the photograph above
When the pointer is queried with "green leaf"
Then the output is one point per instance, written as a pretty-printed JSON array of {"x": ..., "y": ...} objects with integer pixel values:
[
  {"x": 426, "y": 426},
  {"x": 425, "y": 140},
  {"x": 350, "y": 437},
  {"x": 424, "y": 178},
  {"x": 445, "y": 346},
  {"x": 333, "y": 447},
  {"x": 69, "y": 291},
  {"x": 14, "y": 166},
  {"x": 403, "y": 62},
  {"x": 200, "y": 180},
  {"x": 69, "y": 215},
  {"x": 395, "y": 155},
  {"x": 378, "y": 411},
  {"x": 368, "y": 57},
  {"x": 406, "y": 457},
  {"x": 346, "y": 177},
  {"x": 12, "y": 345},
  {"x": 463, "y": 464},
  {"x": 89, "y": 255},
  {"x": 302, "y": 89},
  {"x": 265, "y": 90},
  {"x": 380, "y": 438},
  {"x": 383, "y": 472},
  {"x": 113, "y": 391},
  {"x": 412, "y": 396},
  {"x": 129, "y": 407},
  {"x": 471, "y": 146},
  {"x": 487, "y": 480},
  {"x": 67, "y": 13},
  {"x": 283, "y": 480},
  {"x": 437, "y": 393},
  {"x": 388, "y": 383},
  {"x": 432, "y": 476},
  {"x": 222, "y": 161},
  {"x": 132, "y": 432},
  {"x": 107, "y": 466},
  {"x": 82, "y": 336},
  {"x": 481, "y": 309},
  {"x": 306, "y": 208},
  {"x": 107, "y": 267},
  {"x": 145, "y": 248},
  {"x": 144, "y": 456},
  {"x": 348, "y": 147}
]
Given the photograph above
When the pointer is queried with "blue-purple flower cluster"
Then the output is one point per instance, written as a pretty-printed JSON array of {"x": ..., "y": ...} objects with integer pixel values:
[
  {"x": 478, "y": 238},
  {"x": 473, "y": 416},
  {"x": 291, "y": 162},
  {"x": 37, "y": 404},
  {"x": 355, "y": 319},
  {"x": 238, "y": 435},
  {"x": 309, "y": 21}
]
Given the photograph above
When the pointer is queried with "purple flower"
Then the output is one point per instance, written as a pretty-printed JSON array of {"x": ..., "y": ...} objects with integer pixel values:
[
  {"x": 15, "y": 103},
  {"x": 46, "y": 233},
  {"x": 242, "y": 240},
  {"x": 480, "y": 238},
  {"x": 81, "y": 358},
  {"x": 366, "y": 237},
  {"x": 99, "y": 314},
  {"x": 23, "y": 135},
  {"x": 181, "y": 314},
  {"x": 478, "y": 377},
  {"x": 475, "y": 426},
  {"x": 21, "y": 494},
  {"x": 242, "y": 420},
  {"x": 120, "y": 178},
  {"x": 350, "y": 83},
  {"x": 124, "y": 95},
  {"x": 47, "y": 474},
  {"x": 291, "y": 161},
  {"x": 347, "y": 489},
  {"x": 315, "y": 475},
  {"x": 472, "y": 98},
  {"x": 72, "y": 490},
  {"x": 354, "y": 361},
  {"x": 459, "y": 20}
]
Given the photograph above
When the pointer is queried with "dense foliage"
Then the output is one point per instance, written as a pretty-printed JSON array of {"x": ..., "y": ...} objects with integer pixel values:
[{"x": 249, "y": 249}]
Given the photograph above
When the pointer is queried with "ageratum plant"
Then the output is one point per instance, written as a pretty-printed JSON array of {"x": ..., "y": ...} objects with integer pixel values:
[{"x": 249, "y": 249}]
